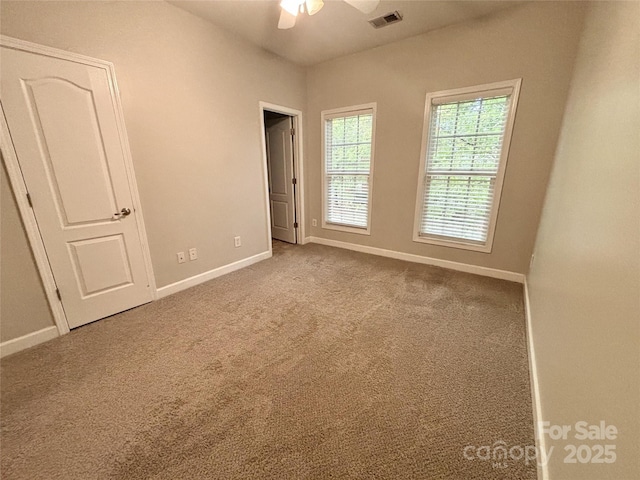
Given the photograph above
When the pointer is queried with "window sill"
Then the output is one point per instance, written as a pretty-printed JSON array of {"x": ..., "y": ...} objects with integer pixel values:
[
  {"x": 345, "y": 228},
  {"x": 460, "y": 244}
]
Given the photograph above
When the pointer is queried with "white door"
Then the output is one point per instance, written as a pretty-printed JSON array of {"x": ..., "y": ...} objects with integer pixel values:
[
  {"x": 281, "y": 187},
  {"x": 62, "y": 119}
]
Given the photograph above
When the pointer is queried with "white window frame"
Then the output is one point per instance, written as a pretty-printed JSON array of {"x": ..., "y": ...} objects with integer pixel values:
[
  {"x": 511, "y": 87},
  {"x": 338, "y": 113}
]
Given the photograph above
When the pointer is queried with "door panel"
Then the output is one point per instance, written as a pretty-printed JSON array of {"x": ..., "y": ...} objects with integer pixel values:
[
  {"x": 63, "y": 122},
  {"x": 111, "y": 272},
  {"x": 277, "y": 160},
  {"x": 279, "y": 215},
  {"x": 280, "y": 168}
]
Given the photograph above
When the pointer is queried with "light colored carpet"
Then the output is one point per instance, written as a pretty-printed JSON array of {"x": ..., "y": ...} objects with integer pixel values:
[{"x": 318, "y": 363}]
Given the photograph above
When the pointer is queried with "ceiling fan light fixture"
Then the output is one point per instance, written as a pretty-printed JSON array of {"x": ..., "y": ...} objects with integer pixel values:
[{"x": 291, "y": 6}]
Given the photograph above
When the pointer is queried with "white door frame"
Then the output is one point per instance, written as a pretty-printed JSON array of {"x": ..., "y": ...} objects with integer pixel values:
[
  {"x": 20, "y": 190},
  {"x": 298, "y": 168}
]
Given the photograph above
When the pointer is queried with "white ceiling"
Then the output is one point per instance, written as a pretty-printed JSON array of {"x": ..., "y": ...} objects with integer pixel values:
[{"x": 338, "y": 29}]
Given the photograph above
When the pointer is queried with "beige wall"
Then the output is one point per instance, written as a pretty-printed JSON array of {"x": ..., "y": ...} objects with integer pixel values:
[
  {"x": 23, "y": 304},
  {"x": 584, "y": 284},
  {"x": 536, "y": 42},
  {"x": 190, "y": 94}
]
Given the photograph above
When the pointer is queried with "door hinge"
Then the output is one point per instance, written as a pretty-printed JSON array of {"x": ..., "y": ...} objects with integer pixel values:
[
  {"x": 29, "y": 200},
  {"x": 58, "y": 294},
  {"x": 293, "y": 132},
  {"x": 294, "y": 181},
  {"x": 295, "y": 224}
]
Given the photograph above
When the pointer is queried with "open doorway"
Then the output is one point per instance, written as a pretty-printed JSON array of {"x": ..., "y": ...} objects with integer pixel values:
[{"x": 282, "y": 154}]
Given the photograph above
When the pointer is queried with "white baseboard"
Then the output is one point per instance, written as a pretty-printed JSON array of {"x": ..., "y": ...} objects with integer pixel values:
[
  {"x": 27, "y": 341},
  {"x": 543, "y": 469},
  {"x": 210, "y": 275},
  {"x": 409, "y": 257}
]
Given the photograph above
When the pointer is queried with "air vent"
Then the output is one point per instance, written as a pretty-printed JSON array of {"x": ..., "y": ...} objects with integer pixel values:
[{"x": 385, "y": 20}]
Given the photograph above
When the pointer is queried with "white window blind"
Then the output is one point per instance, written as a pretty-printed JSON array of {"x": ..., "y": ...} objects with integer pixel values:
[
  {"x": 464, "y": 152},
  {"x": 348, "y": 140}
]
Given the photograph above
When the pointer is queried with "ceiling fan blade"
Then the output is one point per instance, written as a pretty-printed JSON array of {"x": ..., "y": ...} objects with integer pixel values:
[
  {"x": 365, "y": 6},
  {"x": 314, "y": 6},
  {"x": 286, "y": 20}
]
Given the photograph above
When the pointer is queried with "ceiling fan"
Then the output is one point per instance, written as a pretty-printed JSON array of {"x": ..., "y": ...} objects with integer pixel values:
[{"x": 291, "y": 8}]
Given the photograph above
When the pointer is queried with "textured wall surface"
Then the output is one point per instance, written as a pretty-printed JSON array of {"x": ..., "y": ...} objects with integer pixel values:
[
  {"x": 190, "y": 94},
  {"x": 536, "y": 42},
  {"x": 584, "y": 284},
  {"x": 23, "y": 304}
]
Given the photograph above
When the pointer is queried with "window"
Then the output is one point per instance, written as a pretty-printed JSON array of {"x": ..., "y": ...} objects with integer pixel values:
[
  {"x": 465, "y": 146},
  {"x": 348, "y": 167}
]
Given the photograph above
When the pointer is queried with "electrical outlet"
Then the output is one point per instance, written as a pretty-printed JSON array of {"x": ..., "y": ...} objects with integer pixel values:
[
  {"x": 237, "y": 242},
  {"x": 193, "y": 254},
  {"x": 181, "y": 258},
  {"x": 314, "y": 223}
]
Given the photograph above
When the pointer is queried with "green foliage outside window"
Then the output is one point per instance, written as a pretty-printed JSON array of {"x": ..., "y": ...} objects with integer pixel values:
[
  {"x": 348, "y": 162},
  {"x": 463, "y": 157}
]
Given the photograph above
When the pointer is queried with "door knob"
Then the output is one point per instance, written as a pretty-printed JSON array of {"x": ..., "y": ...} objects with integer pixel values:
[{"x": 123, "y": 213}]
